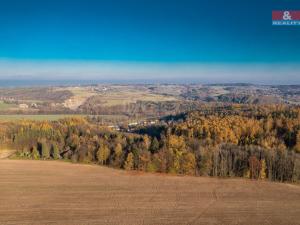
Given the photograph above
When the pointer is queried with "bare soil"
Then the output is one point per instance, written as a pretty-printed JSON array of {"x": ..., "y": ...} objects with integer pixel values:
[
  {"x": 49, "y": 192},
  {"x": 4, "y": 153}
]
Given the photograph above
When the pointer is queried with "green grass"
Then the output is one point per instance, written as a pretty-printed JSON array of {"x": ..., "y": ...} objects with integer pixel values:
[
  {"x": 37, "y": 117},
  {"x": 5, "y": 106}
]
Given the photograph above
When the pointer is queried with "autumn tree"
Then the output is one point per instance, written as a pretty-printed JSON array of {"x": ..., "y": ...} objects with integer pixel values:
[
  {"x": 144, "y": 160},
  {"x": 176, "y": 146},
  {"x": 204, "y": 161},
  {"x": 188, "y": 163},
  {"x": 55, "y": 151},
  {"x": 129, "y": 162},
  {"x": 159, "y": 162},
  {"x": 103, "y": 154},
  {"x": 118, "y": 154},
  {"x": 262, "y": 173},
  {"x": 154, "y": 147},
  {"x": 146, "y": 142},
  {"x": 297, "y": 146},
  {"x": 45, "y": 150},
  {"x": 254, "y": 167},
  {"x": 35, "y": 153}
]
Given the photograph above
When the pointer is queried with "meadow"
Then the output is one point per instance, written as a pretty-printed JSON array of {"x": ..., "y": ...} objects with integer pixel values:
[
  {"x": 52, "y": 117},
  {"x": 5, "y": 106}
]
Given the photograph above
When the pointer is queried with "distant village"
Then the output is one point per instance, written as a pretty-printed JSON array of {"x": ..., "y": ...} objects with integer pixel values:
[{"x": 133, "y": 125}]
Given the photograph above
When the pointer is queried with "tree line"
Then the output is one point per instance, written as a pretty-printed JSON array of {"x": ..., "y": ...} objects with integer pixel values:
[{"x": 261, "y": 142}]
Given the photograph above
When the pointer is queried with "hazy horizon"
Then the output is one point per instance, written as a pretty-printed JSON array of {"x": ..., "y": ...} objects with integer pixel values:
[{"x": 256, "y": 73}]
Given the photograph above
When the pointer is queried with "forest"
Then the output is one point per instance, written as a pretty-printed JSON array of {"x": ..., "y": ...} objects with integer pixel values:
[{"x": 256, "y": 142}]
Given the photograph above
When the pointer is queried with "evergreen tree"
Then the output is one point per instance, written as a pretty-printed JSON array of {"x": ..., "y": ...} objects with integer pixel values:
[{"x": 154, "y": 147}]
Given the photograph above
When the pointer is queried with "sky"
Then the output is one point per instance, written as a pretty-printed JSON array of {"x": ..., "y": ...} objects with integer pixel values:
[{"x": 192, "y": 40}]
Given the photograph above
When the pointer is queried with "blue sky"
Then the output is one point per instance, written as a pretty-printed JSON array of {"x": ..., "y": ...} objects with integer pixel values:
[{"x": 148, "y": 37}]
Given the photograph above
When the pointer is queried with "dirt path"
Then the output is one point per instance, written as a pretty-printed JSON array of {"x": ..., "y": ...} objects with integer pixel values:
[{"x": 44, "y": 192}]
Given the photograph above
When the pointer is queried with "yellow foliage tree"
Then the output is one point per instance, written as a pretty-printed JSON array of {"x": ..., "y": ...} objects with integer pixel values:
[
  {"x": 263, "y": 168},
  {"x": 176, "y": 146},
  {"x": 129, "y": 162},
  {"x": 188, "y": 163},
  {"x": 103, "y": 154}
]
